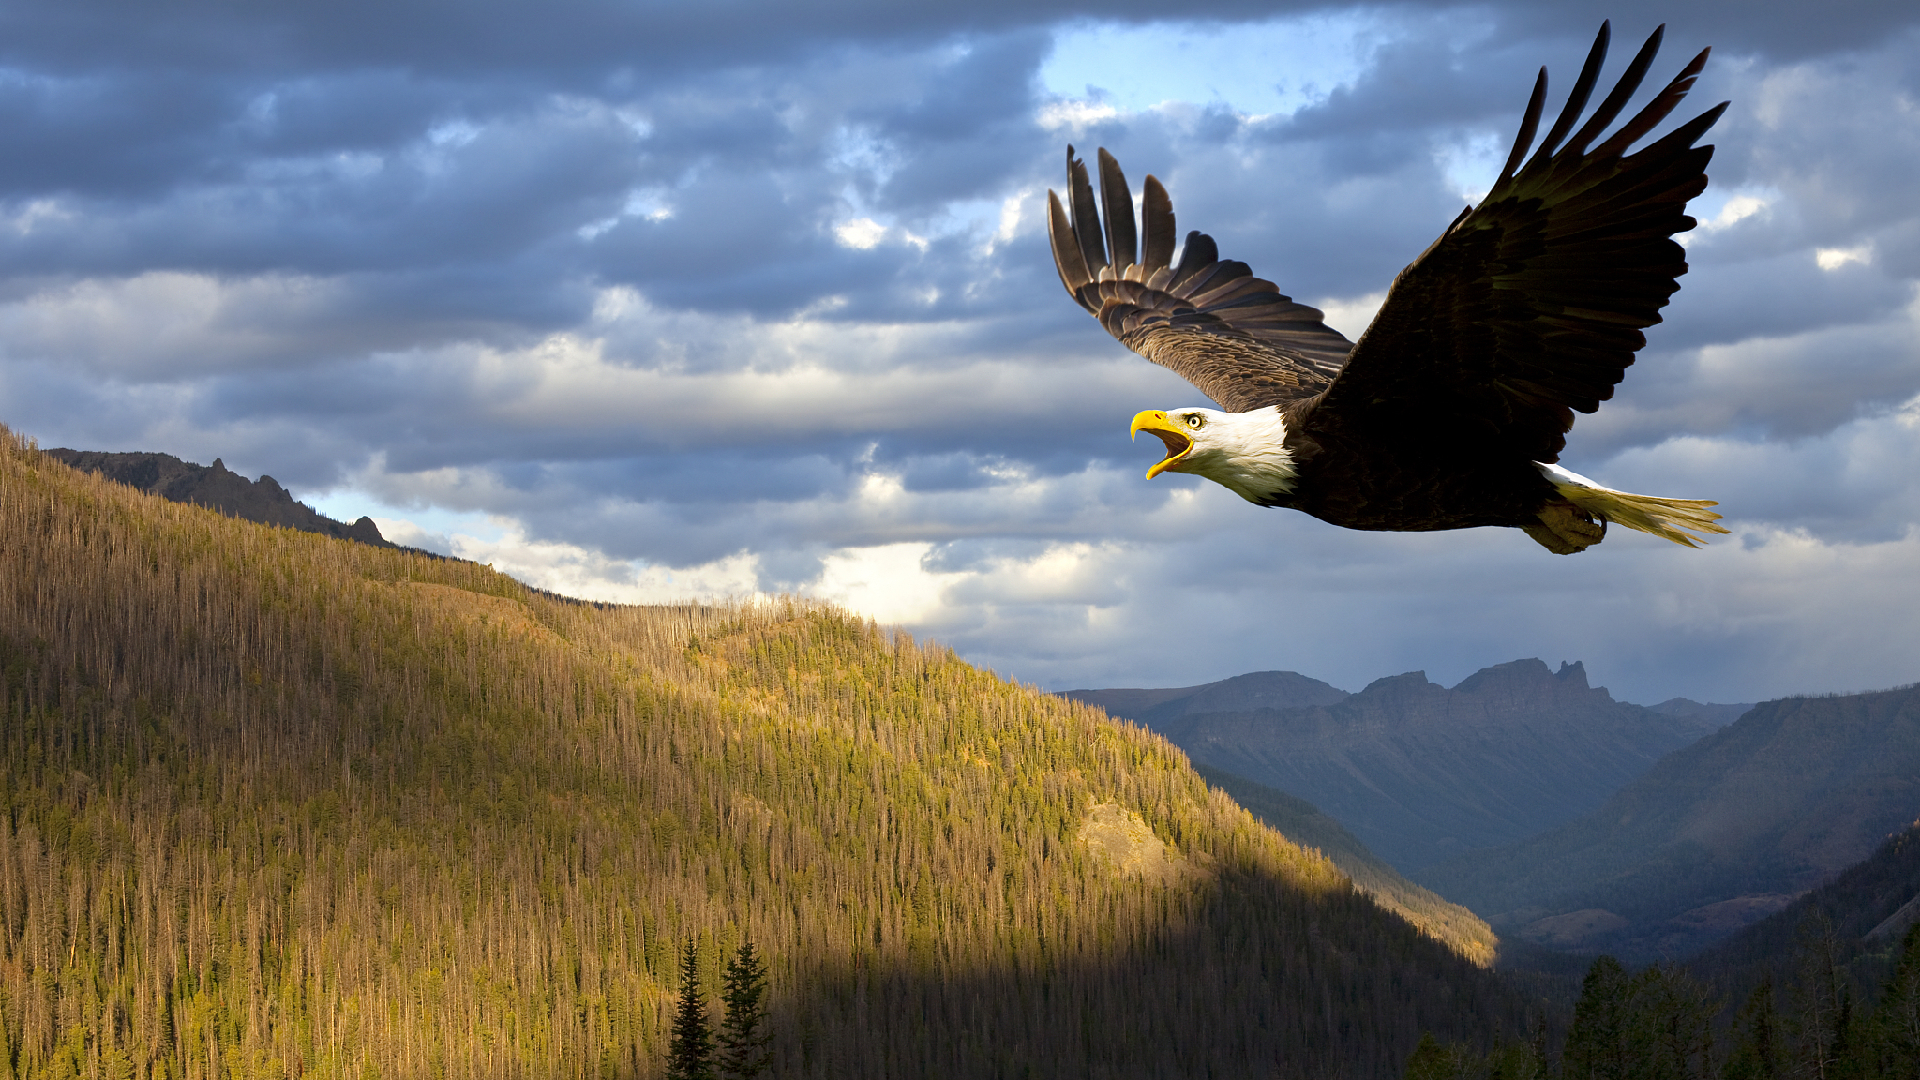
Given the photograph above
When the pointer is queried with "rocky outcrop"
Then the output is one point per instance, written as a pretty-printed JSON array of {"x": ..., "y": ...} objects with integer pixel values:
[{"x": 217, "y": 488}]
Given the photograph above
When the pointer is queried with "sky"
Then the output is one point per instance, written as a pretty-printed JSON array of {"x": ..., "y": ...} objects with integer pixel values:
[{"x": 660, "y": 301}]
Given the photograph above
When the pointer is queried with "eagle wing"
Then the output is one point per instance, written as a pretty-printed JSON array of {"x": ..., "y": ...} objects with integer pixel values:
[
  {"x": 1233, "y": 335},
  {"x": 1530, "y": 307}
]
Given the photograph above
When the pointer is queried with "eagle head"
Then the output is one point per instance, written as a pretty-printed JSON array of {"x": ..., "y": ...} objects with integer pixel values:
[{"x": 1244, "y": 452}]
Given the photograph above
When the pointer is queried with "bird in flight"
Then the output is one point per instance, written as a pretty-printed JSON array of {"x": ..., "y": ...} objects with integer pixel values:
[{"x": 1452, "y": 409}]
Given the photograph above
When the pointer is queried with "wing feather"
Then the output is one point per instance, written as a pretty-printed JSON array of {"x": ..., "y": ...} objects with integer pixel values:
[
  {"x": 1576, "y": 101},
  {"x": 1529, "y": 125},
  {"x": 1617, "y": 100},
  {"x": 1086, "y": 216},
  {"x": 1235, "y": 336},
  {"x": 1200, "y": 254},
  {"x": 1531, "y": 306},
  {"x": 1118, "y": 204},
  {"x": 1156, "y": 219},
  {"x": 1068, "y": 259}
]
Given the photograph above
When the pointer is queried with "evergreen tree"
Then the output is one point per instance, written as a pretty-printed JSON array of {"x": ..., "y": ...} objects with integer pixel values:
[
  {"x": 1596, "y": 1044},
  {"x": 743, "y": 1045},
  {"x": 1654, "y": 1024},
  {"x": 1897, "y": 1024},
  {"x": 1433, "y": 1060},
  {"x": 1756, "y": 1054},
  {"x": 690, "y": 1054}
]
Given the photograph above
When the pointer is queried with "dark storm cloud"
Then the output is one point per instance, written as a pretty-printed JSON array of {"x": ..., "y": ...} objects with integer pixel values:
[
  {"x": 572, "y": 43},
  {"x": 1727, "y": 301},
  {"x": 530, "y": 178},
  {"x": 109, "y": 134},
  {"x": 1781, "y": 30},
  {"x": 575, "y": 42}
]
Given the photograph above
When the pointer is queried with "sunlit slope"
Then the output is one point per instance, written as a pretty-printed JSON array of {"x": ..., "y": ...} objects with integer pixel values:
[{"x": 279, "y": 804}]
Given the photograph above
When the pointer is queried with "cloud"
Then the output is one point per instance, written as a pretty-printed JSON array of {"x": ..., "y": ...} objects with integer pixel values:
[{"x": 666, "y": 304}]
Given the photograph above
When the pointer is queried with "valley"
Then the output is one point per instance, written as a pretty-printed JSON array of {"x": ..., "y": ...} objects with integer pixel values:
[{"x": 1569, "y": 821}]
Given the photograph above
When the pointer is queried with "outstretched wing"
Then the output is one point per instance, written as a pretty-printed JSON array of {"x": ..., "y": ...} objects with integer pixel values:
[
  {"x": 1233, "y": 335},
  {"x": 1530, "y": 306}
]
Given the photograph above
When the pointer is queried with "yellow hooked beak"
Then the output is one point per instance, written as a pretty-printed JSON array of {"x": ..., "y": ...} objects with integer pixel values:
[{"x": 1178, "y": 444}]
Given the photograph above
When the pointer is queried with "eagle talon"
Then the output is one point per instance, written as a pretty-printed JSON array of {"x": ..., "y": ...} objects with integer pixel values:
[{"x": 1565, "y": 529}]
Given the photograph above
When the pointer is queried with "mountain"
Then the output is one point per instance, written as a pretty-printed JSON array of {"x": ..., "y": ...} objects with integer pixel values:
[
  {"x": 1715, "y": 836},
  {"x": 216, "y": 487},
  {"x": 276, "y": 804},
  {"x": 1704, "y": 715},
  {"x": 1303, "y": 823},
  {"x": 1417, "y": 771},
  {"x": 1256, "y": 690}
]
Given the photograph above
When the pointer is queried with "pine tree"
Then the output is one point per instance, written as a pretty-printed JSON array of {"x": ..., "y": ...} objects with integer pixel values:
[
  {"x": 1897, "y": 1023},
  {"x": 1656, "y": 1023},
  {"x": 743, "y": 1046},
  {"x": 690, "y": 1054},
  {"x": 1596, "y": 1044},
  {"x": 1755, "y": 1054},
  {"x": 1434, "y": 1060}
]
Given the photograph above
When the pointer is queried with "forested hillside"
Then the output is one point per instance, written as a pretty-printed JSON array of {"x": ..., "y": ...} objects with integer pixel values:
[
  {"x": 274, "y": 804},
  {"x": 1859, "y": 918}
]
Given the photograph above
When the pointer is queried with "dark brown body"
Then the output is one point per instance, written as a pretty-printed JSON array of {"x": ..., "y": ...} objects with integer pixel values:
[{"x": 1435, "y": 481}]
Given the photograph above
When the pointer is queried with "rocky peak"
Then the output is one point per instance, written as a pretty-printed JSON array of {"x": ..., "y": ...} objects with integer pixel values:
[{"x": 217, "y": 488}]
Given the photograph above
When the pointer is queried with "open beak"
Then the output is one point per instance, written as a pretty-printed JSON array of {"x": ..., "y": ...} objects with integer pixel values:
[{"x": 1178, "y": 444}]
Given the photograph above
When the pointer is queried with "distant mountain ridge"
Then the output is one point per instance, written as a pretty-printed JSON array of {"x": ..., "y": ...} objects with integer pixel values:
[
  {"x": 1715, "y": 836},
  {"x": 1419, "y": 772},
  {"x": 1254, "y": 690},
  {"x": 217, "y": 488}
]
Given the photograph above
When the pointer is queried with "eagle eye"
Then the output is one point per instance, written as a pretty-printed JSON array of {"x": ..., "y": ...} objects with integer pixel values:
[{"x": 1195, "y": 421}]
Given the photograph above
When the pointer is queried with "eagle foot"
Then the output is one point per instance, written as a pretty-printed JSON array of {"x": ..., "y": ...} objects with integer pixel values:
[{"x": 1565, "y": 528}]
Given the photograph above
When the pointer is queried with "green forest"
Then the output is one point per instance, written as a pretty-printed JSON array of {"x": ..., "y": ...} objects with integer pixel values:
[
  {"x": 277, "y": 805},
  {"x": 1661, "y": 1022}
]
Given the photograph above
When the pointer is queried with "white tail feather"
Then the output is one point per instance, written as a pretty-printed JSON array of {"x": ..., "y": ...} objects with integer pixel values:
[{"x": 1669, "y": 519}]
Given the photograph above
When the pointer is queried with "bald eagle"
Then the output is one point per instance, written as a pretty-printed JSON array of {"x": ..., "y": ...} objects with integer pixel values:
[{"x": 1451, "y": 410}]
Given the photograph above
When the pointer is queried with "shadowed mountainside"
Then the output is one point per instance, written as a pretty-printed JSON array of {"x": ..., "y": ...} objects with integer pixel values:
[
  {"x": 217, "y": 488},
  {"x": 1716, "y": 836},
  {"x": 274, "y": 804},
  {"x": 1303, "y": 823},
  {"x": 1867, "y": 909},
  {"x": 1417, "y": 771}
]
